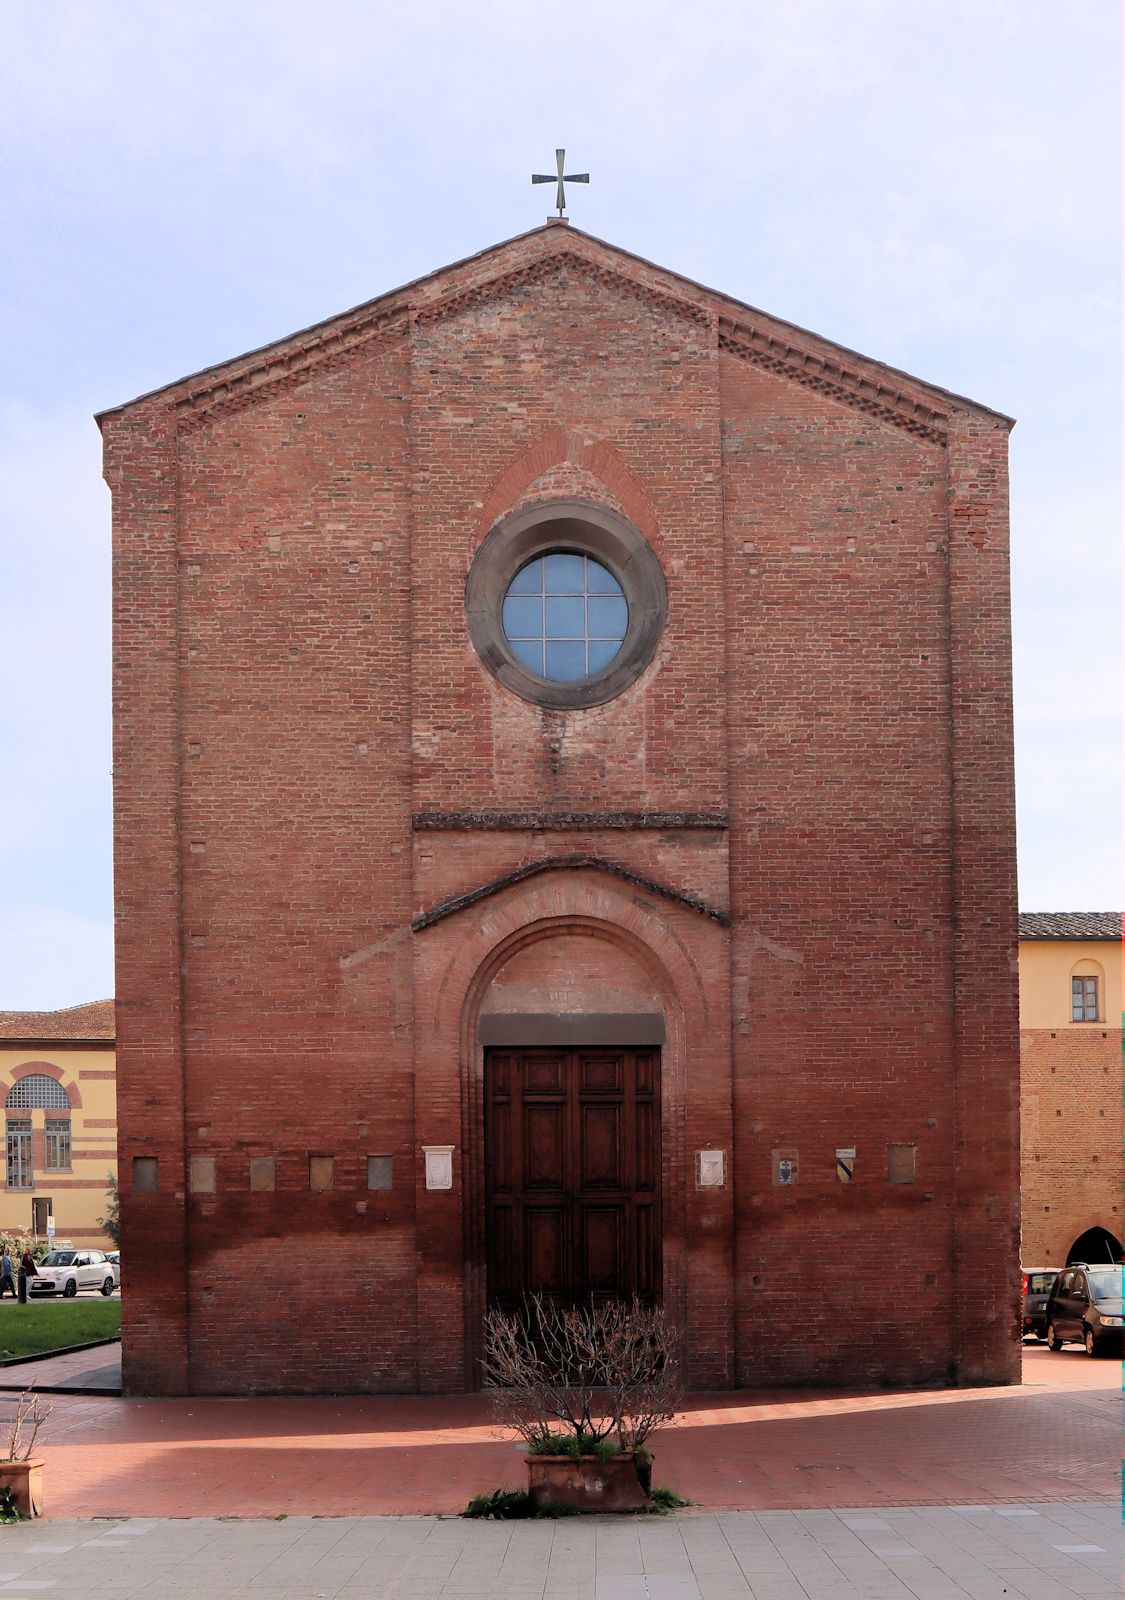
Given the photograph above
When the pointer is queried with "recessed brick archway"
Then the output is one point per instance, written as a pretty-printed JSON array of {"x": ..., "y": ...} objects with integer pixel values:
[{"x": 654, "y": 959}]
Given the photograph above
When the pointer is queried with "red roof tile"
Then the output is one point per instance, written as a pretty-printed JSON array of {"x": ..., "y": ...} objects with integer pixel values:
[{"x": 95, "y": 1020}]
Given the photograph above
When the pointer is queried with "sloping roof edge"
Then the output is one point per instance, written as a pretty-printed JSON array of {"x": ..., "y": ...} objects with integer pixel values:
[
  {"x": 398, "y": 299},
  {"x": 1070, "y": 925},
  {"x": 91, "y": 1023}
]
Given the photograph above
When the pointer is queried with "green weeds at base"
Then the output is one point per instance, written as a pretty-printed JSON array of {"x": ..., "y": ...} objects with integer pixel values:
[
  {"x": 9, "y": 1510},
  {"x": 575, "y": 1445},
  {"x": 662, "y": 1500},
  {"x": 502, "y": 1505},
  {"x": 516, "y": 1505}
]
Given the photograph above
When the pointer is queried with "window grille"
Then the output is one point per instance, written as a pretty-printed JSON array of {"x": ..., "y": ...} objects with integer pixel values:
[
  {"x": 37, "y": 1092},
  {"x": 19, "y": 1156},
  {"x": 57, "y": 1143}
]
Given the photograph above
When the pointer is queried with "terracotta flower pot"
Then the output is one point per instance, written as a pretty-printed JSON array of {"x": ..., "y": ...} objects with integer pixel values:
[
  {"x": 25, "y": 1480},
  {"x": 585, "y": 1483}
]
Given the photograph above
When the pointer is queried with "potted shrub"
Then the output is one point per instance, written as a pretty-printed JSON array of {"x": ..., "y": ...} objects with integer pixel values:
[
  {"x": 584, "y": 1388},
  {"x": 20, "y": 1470}
]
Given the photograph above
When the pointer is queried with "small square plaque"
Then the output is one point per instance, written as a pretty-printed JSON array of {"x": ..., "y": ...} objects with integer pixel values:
[
  {"x": 711, "y": 1169},
  {"x": 439, "y": 1165},
  {"x": 784, "y": 1167}
]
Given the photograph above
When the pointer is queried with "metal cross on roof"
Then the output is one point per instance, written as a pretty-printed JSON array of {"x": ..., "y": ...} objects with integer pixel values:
[{"x": 560, "y": 178}]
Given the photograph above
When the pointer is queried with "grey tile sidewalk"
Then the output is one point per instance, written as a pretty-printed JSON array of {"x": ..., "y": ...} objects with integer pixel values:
[{"x": 1041, "y": 1552}]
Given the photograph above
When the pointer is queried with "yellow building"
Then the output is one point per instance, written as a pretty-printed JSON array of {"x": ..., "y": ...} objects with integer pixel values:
[
  {"x": 58, "y": 1079},
  {"x": 1070, "y": 1071}
]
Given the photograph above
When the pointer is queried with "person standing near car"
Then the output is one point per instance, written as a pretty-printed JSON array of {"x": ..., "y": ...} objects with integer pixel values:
[
  {"x": 27, "y": 1270},
  {"x": 7, "y": 1276}
]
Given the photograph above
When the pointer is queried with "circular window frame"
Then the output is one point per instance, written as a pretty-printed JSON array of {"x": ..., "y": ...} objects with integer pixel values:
[{"x": 583, "y": 528}]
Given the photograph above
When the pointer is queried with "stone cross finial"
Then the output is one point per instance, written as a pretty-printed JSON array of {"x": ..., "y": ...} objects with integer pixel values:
[{"x": 560, "y": 178}]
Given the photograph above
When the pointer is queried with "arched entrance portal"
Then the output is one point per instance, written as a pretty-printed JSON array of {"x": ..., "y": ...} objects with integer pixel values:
[
  {"x": 1096, "y": 1244},
  {"x": 572, "y": 1036}
]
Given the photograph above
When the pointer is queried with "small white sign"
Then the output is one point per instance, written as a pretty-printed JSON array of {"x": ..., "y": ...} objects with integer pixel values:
[
  {"x": 711, "y": 1168},
  {"x": 439, "y": 1165},
  {"x": 50, "y": 1226}
]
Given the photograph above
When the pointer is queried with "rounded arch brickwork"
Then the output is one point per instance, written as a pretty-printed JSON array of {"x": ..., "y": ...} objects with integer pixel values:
[
  {"x": 456, "y": 962},
  {"x": 48, "y": 1069},
  {"x": 557, "y": 447}
]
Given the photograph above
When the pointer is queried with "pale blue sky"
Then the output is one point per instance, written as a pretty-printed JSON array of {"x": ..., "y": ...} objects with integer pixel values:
[{"x": 182, "y": 180}]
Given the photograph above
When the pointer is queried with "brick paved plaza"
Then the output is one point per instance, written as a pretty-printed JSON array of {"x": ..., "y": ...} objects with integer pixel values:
[{"x": 1056, "y": 1438}]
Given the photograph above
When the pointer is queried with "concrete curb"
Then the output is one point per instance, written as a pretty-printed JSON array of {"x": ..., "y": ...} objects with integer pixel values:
[{"x": 63, "y": 1350}]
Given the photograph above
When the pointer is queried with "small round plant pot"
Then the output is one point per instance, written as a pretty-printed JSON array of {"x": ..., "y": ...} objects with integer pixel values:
[
  {"x": 585, "y": 1483},
  {"x": 25, "y": 1480}
]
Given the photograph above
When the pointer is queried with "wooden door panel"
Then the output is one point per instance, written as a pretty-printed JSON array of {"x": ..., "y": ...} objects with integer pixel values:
[
  {"x": 645, "y": 1154},
  {"x": 572, "y": 1175},
  {"x": 599, "y": 1147},
  {"x": 503, "y": 1255},
  {"x": 547, "y": 1252},
  {"x": 602, "y": 1073},
  {"x": 646, "y": 1236},
  {"x": 500, "y": 1152},
  {"x": 544, "y": 1073},
  {"x": 603, "y": 1261},
  {"x": 544, "y": 1146}
]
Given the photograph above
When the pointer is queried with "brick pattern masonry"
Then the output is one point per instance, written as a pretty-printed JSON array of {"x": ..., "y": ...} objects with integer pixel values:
[{"x": 792, "y": 836}]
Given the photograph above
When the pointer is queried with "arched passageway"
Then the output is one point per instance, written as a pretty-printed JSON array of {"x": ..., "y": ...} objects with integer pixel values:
[{"x": 1096, "y": 1244}]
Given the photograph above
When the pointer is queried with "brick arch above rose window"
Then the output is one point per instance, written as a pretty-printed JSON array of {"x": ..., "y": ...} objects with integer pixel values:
[{"x": 557, "y": 446}]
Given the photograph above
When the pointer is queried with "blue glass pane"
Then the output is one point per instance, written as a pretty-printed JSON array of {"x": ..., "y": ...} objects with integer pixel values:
[
  {"x": 599, "y": 580},
  {"x": 601, "y": 652},
  {"x": 530, "y": 652},
  {"x": 530, "y": 580},
  {"x": 566, "y": 617},
  {"x": 523, "y": 619},
  {"x": 564, "y": 573},
  {"x": 566, "y": 660},
  {"x": 609, "y": 618}
]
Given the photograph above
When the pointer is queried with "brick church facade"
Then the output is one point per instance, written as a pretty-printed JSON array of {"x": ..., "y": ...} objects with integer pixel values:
[{"x": 564, "y": 838}]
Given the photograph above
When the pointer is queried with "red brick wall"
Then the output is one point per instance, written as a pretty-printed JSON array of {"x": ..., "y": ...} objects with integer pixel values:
[
  {"x": 1070, "y": 1135},
  {"x": 295, "y": 678},
  {"x": 841, "y": 847}
]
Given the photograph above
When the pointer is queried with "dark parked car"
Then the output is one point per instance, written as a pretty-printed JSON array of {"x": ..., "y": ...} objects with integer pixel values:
[
  {"x": 1037, "y": 1285},
  {"x": 1086, "y": 1304}
]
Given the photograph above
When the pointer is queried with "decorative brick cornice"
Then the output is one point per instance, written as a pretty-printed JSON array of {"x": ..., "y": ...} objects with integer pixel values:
[
  {"x": 545, "y": 267},
  {"x": 562, "y": 821},
  {"x": 284, "y": 369},
  {"x": 835, "y": 380},
  {"x": 568, "y": 863}
]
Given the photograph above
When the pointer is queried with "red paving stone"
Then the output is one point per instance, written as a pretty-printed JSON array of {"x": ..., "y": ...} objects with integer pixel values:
[{"x": 1055, "y": 1438}]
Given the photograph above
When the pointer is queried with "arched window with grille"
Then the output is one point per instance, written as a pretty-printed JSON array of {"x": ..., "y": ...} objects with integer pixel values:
[{"x": 37, "y": 1092}]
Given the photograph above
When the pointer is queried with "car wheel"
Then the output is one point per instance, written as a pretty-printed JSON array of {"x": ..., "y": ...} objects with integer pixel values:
[
  {"x": 1091, "y": 1343},
  {"x": 107, "y": 1287},
  {"x": 1053, "y": 1340},
  {"x": 71, "y": 1288},
  {"x": 1040, "y": 1334}
]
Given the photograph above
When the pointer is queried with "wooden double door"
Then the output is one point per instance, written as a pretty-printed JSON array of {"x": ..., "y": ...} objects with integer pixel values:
[{"x": 572, "y": 1175}]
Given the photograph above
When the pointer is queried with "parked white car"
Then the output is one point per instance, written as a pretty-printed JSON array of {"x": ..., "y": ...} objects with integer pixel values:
[{"x": 66, "y": 1271}]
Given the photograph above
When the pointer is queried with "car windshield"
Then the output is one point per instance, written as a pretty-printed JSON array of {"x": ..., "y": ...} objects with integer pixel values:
[
  {"x": 59, "y": 1258},
  {"x": 1040, "y": 1282},
  {"x": 1105, "y": 1282}
]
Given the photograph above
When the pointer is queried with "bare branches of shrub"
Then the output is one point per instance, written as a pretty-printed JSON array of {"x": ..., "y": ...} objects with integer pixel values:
[
  {"x": 592, "y": 1374},
  {"x": 31, "y": 1414}
]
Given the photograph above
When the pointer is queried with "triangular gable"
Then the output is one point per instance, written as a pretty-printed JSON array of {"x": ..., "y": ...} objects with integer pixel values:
[{"x": 745, "y": 332}]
